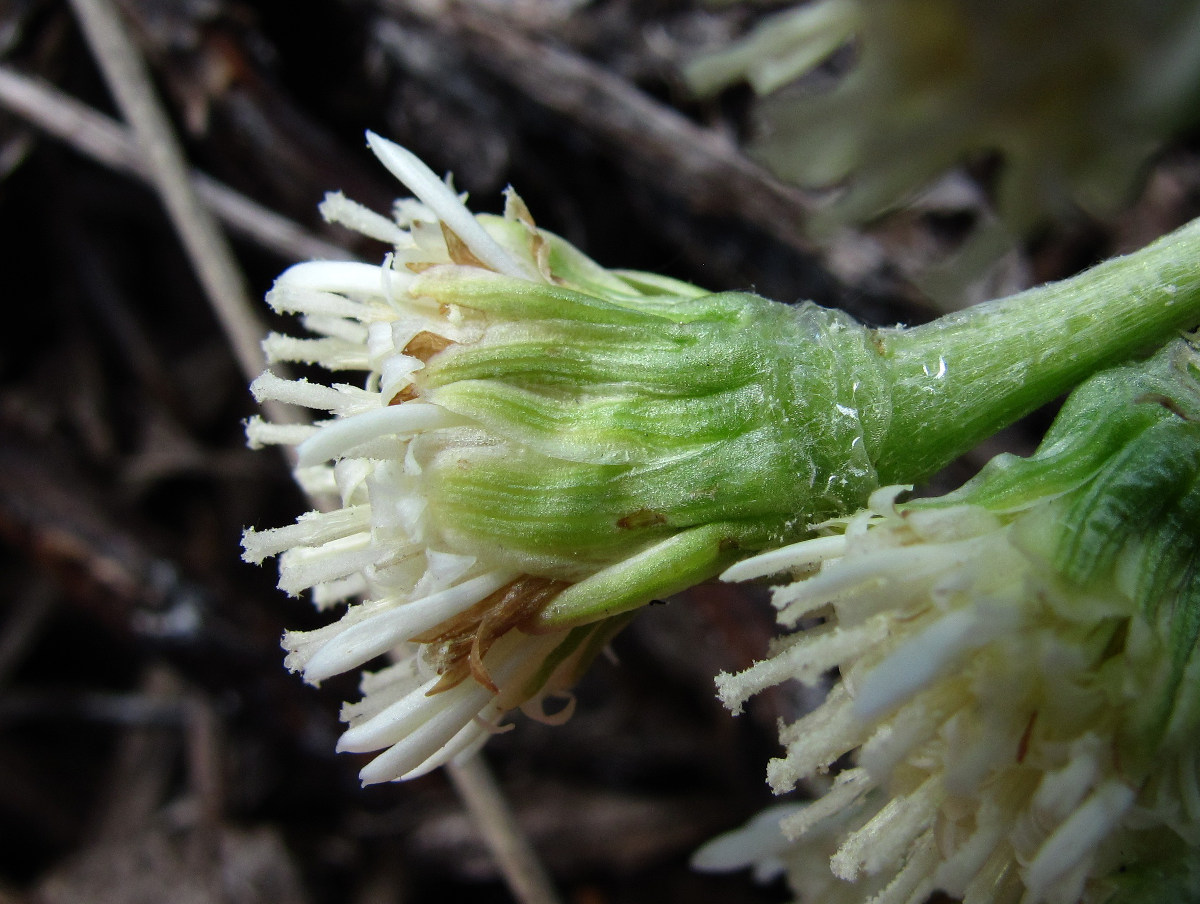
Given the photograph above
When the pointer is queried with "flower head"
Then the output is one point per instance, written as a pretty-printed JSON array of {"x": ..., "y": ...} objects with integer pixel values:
[
  {"x": 534, "y": 434},
  {"x": 1019, "y": 669},
  {"x": 1073, "y": 104}
]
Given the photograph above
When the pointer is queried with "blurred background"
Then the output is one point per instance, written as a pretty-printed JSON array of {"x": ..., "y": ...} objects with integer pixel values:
[{"x": 152, "y": 748}]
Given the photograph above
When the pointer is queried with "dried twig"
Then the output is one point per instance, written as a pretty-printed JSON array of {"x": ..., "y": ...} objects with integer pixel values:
[
  {"x": 95, "y": 135},
  {"x": 127, "y": 78},
  {"x": 23, "y": 625},
  {"x": 701, "y": 166},
  {"x": 477, "y": 789},
  {"x": 51, "y": 512}
]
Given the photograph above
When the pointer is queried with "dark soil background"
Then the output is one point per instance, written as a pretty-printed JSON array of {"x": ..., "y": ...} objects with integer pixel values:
[{"x": 152, "y": 748}]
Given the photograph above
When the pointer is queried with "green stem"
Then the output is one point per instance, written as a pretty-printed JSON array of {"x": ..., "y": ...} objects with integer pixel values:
[{"x": 956, "y": 381}]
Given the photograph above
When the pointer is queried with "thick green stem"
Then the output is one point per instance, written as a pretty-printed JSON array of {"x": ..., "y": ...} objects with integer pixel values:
[{"x": 958, "y": 380}]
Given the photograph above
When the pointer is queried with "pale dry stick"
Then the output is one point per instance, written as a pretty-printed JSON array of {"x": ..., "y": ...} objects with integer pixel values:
[
  {"x": 125, "y": 73},
  {"x": 128, "y": 80},
  {"x": 24, "y": 623},
  {"x": 526, "y": 877},
  {"x": 95, "y": 135}
]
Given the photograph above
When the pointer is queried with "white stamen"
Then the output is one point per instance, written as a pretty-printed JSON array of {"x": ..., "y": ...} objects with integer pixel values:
[
  {"x": 397, "y": 373},
  {"x": 884, "y": 840},
  {"x": 330, "y": 353},
  {"x": 1060, "y": 792},
  {"x": 261, "y": 433},
  {"x": 996, "y": 880},
  {"x": 330, "y": 593},
  {"x": 815, "y": 741},
  {"x": 838, "y": 579},
  {"x": 481, "y": 738},
  {"x": 393, "y": 722},
  {"x": 337, "y": 208},
  {"x": 395, "y": 420},
  {"x": 798, "y": 555},
  {"x": 911, "y": 725},
  {"x": 310, "y": 304},
  {"x": 912, "y": 884},
  {"x": 462, "y": 746},
  {"x": 422, "y": 182},
  {"x": 916, "y": 663},
  {"x": 384, "y": 687},
  {"x": 378, "y": 633},
  {"x": 955, "y": 873},
  {"x": 310, "y": 529},
  {"x": 302, "y": 567},
  {"x": 1078, "y": 836},
  {"x": 348, "y": 330},
  {"x": 341, "y": 399},
  {"x": 379, "y": 341},
  {"x": 804, "y": 661},
  {"x": 847, "y": 788},
  {"x": 443, "y": 724},
  {"x": 760, "y": 838},
  {"x": 317, "y": 481},
  {"x": 442, "y": 569},
  {"x": 352, "y": 278}
]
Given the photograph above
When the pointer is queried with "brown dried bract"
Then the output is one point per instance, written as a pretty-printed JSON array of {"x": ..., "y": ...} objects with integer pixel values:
[
  {"x": 466, "y": 638},
  {"x": 458, "y": 250},
  {"x": 515, "y": 207},
  {"x": 407, "y": 394},
  {"x": 539, "y": 248},
  {"x": 1026, "y": 736},
  {"x": 641, "y": 518},
  {"x": 425, "y": 345}
]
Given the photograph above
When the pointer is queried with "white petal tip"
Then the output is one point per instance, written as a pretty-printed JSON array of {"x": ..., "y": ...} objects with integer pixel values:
[
  {"x": 438, "y": 197},
  {"x": 372, "y": 775}
]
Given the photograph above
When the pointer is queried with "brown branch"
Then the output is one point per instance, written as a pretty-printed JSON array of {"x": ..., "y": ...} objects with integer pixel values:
[
  {"x": 100, "y": 138},
  {"x": 700, "y": 166},
  {"x": 125, "y": 72}
]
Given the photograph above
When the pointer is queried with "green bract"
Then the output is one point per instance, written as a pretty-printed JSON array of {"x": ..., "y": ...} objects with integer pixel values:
[{"x": 611, "y": 426}]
